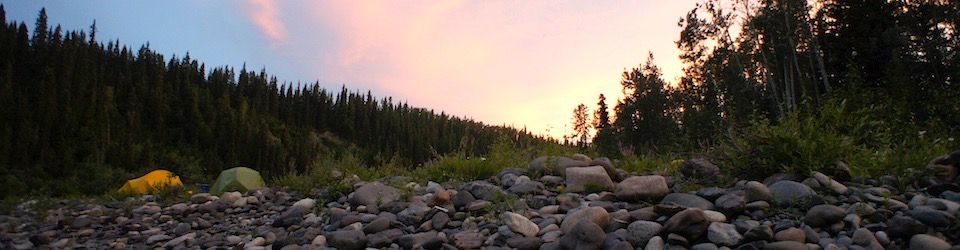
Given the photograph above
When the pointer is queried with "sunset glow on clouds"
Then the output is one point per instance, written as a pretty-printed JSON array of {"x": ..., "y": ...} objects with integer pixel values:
[
  {"x": 519, "y": 63},
  {"x": 525, "y": 64},
  {"x": 265, "y": 15}
]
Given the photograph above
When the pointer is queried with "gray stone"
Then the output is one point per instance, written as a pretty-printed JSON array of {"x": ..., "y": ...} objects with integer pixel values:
[
  {"x": 519, "y": 224},
  {"x": 584, "y": 235},
  {"x": 426, "y": 240},
  {"x": 791, "y": 234},
  {"x": 597, "y": 215},
  {"x": 374, "y": 194},
  {"x": 587, "y": 179},
  {"x": 699, "y": 168},
  {"x": 384, "y": 238},
  {"x": 524, "y": 243},
  {"x": 377, "y": 225},
  {"x": 304, "y": 206},
  {"x": 723, "y": 234},
  {"x": 931, "y": 216},
  {"x": 200, "y": 198},
  {"x": 924, "y": 241},
  {"x": 182, "y": 228},
  {"x": 655, "y": 243},
  {"x": 440, "y": 220},
  {"x": 865, "y": 238},
  {"x": 834, "y": 185},
  {"x": 462, "y": 199},
  {"x": 639, "y": 232},
  {"x": 784, "y": 245},
  {"x": 704, "y": 246},
  {"x": 757, "y": 191},
  {"x": 483, "y": 190},
  {"x": 642, "y": 187},
  {"x": 687, "y": 200},
  {"x": 690, "y": 223},
  {"x": 732, "y": 202},
  {"x": 183, "y": 239},
  {"x": 157, "y": 238},
  {"x": 786, "y": 193},
  {"x": 527, "y": 187},
  {"x": 607, "y": 165},
  {"x": 824, "y": 215},
  {"x": 468, "y": 240},
  {"x": 347, "y": 239}
]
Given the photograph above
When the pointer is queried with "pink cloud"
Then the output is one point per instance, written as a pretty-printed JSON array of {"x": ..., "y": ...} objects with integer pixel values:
[
  {"x": 526, "y": 63},
  {"x": 265, "y": 14}
]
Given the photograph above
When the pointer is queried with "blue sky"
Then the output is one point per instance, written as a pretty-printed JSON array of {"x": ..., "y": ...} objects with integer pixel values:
[{"x": 520, "y": 63}]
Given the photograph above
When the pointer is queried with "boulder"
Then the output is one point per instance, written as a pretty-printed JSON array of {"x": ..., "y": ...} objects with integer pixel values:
[
  {"x": 587, "y": 179},
  {"x": 824, "y": 215},
  {"x": 584, "y": 235},
  {"x": 690, "y": 223},
  {"x": 723, "y": 234},
  {"x": 374, "y": 194},
  {"x": 520, "y": 224},
  {"x": 924, "y": 241},
  {"x": 787, "y": 193},
  {"x": 699, "y": 168},
  {"x": 597, "y": 215},
  {"x": 642, "y": 187},
  {"x": 687, "y": 200},
  {"x": 483, "y": 190},
  {"x": 347, "y": 239},
  {"x": 639, "y": 232}
]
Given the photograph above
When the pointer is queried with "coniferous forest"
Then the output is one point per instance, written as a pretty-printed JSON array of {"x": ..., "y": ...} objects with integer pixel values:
[
  {"x": 788, "y": 86},
  {"x": 79, "y": 116}
]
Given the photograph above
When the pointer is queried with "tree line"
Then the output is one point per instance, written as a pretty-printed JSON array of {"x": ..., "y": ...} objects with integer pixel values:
[
  {"x": 78, "y": 116},
  {"x": 749, "y": 61}
]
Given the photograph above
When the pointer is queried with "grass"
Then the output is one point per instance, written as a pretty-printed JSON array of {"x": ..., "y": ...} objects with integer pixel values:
[{"x": 813, "y": 141}]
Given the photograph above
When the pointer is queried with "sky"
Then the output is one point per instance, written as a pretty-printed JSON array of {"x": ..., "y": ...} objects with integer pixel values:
[{"x": 525, "y": 64}]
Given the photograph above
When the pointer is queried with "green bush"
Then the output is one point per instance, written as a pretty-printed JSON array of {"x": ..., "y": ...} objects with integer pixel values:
[{"x": 814, "y": 141}]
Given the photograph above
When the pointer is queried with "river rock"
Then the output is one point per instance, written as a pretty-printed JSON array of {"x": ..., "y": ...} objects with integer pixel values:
[
  {"x": 723, "y": 234},
  {"x": 687, "y": 200},
  {"x": 924, "y": 241},
  {"x": 824, "y": 215},
  {"x": 639, "y": 232},
  {"x": 374, "y": 194},
  {"x": 597, "y": 215},
  {"x": 584, "y": 235},
  {"x": 520, "y": 224},
  {"x": 690, "y": 223},
  {"x": 699, "y": 168},
  {"x": 642, "y": 187},
  {"x": 786, "y": 193},
  {"x": 587, "y": 179}
]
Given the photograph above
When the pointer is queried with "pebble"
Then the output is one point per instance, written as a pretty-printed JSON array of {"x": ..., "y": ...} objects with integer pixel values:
[{"x": 512, "y": 211}]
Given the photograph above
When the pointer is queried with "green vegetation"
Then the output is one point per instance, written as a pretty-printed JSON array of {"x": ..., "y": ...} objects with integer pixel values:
[
  {"x": 77, "y": 117},
  {"x": 802, "y": 85},
  {"x": 872, "y": 84}
]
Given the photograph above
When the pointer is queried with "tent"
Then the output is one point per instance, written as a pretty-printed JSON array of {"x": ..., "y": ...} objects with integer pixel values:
[
  {"x": 151, "y": 182},
  {"x": 237, "y": 179}
]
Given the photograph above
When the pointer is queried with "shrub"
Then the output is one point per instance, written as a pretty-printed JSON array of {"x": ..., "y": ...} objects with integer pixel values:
[{"x": 814, "y": 141}]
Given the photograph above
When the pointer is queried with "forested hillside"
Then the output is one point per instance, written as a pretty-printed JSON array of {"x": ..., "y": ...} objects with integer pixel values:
[
  {"x": 80, "y": 116},
  {"x": 794, "y": 85}
]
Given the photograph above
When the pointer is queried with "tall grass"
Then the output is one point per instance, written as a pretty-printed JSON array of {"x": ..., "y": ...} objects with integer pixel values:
[{"x": 814, "y": 141}]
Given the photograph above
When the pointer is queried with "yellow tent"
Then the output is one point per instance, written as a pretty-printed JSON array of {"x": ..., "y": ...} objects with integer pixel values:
[{"x": 153, "y": 181}]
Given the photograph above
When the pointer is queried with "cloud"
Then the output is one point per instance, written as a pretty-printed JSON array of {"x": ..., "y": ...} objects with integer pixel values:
[
  {"x": 520, "y": 63},
  {"x": 265, "y": 15}
]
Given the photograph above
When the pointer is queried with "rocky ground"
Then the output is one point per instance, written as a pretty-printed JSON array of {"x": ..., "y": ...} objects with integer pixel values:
[{"x": 555, "y": 203}]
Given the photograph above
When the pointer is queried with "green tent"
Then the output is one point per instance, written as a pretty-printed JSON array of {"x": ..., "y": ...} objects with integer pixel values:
[{"x": 237, "y": 179}]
